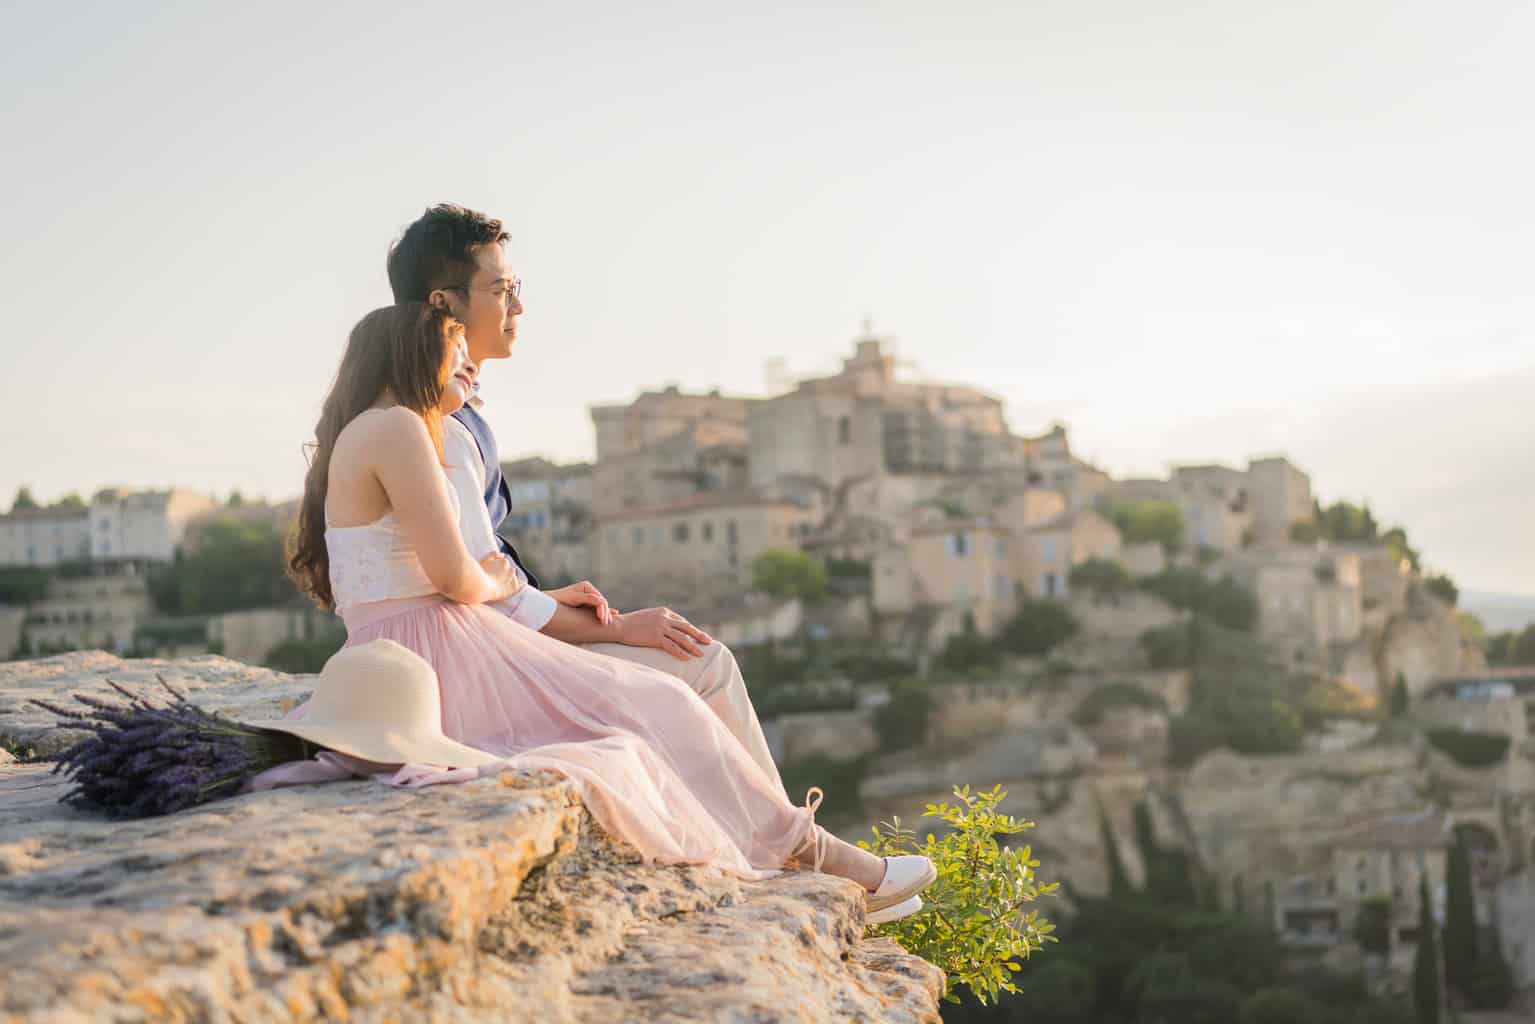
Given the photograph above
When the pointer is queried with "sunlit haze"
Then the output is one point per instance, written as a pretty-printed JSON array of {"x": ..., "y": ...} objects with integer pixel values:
[{"x": 1192, "y": 232}]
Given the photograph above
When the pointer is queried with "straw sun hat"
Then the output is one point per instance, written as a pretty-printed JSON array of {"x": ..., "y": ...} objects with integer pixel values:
[{"x": 379, "y": 701}]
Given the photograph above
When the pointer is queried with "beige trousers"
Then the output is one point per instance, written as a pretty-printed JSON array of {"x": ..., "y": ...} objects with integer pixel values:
[{"x": 717, "y": 679}]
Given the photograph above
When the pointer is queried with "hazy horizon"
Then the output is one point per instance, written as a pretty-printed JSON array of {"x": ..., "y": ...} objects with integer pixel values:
[{"x": 1191, "y": 233}]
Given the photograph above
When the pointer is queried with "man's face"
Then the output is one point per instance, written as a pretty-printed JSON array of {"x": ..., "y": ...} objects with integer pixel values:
[{"x": 487, "y": 307}]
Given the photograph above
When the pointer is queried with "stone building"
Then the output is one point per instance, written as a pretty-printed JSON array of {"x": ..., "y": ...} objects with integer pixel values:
[
  {"x": 666, "y": 446},
  {"x": 1387, "y": 859},
  {"x": 43, "y": 538},
  {"x": 955, "y": 568},
  {"x": 1310, "y": 602},
  {"x": 551, "y": 517},
  {"x": 102, "y": 610},
  {"x": 1281, "y": 497},
  {"x": 144, "y": 526},
  {"x": 866, "y": 420},
  {"x": 1228, "y": 509},
  {"x": 693, "y": 551},
  {"x": 1046, "y": 552}
]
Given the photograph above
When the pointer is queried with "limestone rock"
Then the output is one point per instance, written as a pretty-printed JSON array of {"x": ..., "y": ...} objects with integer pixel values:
[
  {"x": 214, "y": 683},
  {"x": 494, "y": 900}
]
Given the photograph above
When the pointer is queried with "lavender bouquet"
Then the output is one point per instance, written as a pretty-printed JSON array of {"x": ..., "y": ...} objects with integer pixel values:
[{"x": 144, "y": 759}]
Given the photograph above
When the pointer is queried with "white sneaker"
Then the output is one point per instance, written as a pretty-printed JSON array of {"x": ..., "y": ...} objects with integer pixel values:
[
  {"x": 905, "y": 877},
  {"x": 895, "y": 913}
]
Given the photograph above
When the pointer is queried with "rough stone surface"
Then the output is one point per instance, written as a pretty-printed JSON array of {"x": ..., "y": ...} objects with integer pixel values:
[
  {"x": 212, "y": 682},
  {"x": 491, "y": 901}
]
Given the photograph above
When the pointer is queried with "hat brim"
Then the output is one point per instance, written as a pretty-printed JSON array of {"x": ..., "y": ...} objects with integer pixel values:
[{"x": 385, "y": 747}]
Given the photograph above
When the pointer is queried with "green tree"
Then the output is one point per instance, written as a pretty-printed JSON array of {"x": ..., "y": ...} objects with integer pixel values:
[
  {"x": 901, "y": 722},
  {"x": 1425, "y": 962},
  {"x": 1372, "y": 928},
  {"x": 1100, "y": 577},
  {"x": 1399, "y": 696},
  {"x": 1059, "y": 991},
  {"x": 1459, "y": 922},
  {"x": 1037, "y": 628},
  {"x": 24, "y": 501},
  {"x": 1492, "y": 983},
  {"x": 71, "y": 502},
  {"x": 1396, "y": 543},
  {"x": 1226, "y": 602},
  {"x": 235, "y": 565},
  {"x": 1444, "y": 588},
  {"x": 1149, "y": 520},
  {"x": 1280, "y": 1006},
  {"x": 786, "y": 572},
  {"x": 968, "y": 651},
  {"x": 1344, "y": 521},
  {"x": 1119, "y": 878}
]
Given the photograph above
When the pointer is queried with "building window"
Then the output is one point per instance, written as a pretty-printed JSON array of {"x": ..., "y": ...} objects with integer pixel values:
[
  {"x": 707, "y": 531},
  {"x": 959, "y": 545},
  {"x": 731, "y": 534},
  {"x": 1001, "y": 548},
  {"x": 1000, "y": 587},
  {"x": 844, "y": 431},
  {"x": 639, "y": 536},
  {"x": 680, "y": 533},
  {"x": 1048, "y": 584}
]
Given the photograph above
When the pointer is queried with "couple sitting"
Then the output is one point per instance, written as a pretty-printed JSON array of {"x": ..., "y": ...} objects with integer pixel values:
[{"x": 646, "y": 713}]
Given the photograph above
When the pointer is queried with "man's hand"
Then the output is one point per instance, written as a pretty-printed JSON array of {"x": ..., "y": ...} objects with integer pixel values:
[
  {"x": 584, "y": 594},
  {"x": 663, "y": 628}
]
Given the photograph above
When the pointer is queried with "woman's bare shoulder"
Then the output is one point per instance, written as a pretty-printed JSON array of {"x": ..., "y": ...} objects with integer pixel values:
[{"x": 394, "y": 425}]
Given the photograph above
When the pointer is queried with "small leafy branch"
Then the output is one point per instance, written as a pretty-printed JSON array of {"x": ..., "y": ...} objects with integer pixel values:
[{"x": 975, "y": 923}]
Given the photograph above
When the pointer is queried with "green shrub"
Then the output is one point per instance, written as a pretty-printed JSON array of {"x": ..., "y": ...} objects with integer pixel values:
[
  {"x": 1167, "y": 646},
  {"x": 976, "y": 924},
  {"x": 1059, "y": 991},
  {"x": 1114, "y": 695},
  {"x": 1372, "y": 928},
  {"x": 1443, "y": 588},
  {"x": 1225, "y": 602},
  {"x": 305, "y": 657},
  {"x": 839, "y": 779},
  {"x": 901, "y": 722},
  {"x": 1471, "y": 749},
  {"x": 1037, "y": 628},
  {"x": 789, "y": 572},
  {"x": 1280, "y": 1006},
  {"x": 1149, "y": 520},
  {"x": 968, "y": 651},
  {"x": 1100, "y": 577},
  {"x": 872, "y": 666}
]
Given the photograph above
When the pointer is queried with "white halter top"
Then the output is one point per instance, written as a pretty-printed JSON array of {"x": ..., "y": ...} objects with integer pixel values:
[{"x": 375, "y": 562}]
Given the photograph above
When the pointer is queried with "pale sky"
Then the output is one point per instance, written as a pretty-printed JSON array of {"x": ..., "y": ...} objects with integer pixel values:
[{"x": 1192, "y": 231}]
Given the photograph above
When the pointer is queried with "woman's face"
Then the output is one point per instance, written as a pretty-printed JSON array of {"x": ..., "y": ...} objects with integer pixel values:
[{"x": 459, "y": 380}]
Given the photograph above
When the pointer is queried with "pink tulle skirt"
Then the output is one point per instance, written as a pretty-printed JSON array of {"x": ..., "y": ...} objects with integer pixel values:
[{"x": 654, "y": 765}]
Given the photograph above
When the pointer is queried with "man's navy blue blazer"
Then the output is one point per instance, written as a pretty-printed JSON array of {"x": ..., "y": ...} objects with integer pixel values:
[{"x": 498, "y": 496}]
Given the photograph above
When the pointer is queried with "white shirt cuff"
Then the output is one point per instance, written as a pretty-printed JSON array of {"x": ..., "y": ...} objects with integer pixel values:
[{"x": 529, "y": 606}]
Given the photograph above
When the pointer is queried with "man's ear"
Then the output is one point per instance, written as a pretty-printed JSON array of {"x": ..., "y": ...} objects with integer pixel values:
[{"x": 437, "y": 298}]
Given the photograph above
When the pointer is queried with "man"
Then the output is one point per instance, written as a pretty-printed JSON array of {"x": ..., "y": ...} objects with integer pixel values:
[{"x": 456, "y": 258}]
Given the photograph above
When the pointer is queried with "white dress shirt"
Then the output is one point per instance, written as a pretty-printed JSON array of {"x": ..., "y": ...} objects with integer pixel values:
[{"x": 466, "y": 473}]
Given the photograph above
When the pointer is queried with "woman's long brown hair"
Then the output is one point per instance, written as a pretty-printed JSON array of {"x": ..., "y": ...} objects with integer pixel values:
[{"x": 403, "y": 349}]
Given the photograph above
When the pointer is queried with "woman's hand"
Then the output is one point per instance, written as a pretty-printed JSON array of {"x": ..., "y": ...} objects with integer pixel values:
[
  {"x": 583, "y": 594},
  {"x": 503, "y": 573}
]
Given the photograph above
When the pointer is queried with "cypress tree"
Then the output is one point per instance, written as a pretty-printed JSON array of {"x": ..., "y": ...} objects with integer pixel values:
[
  {"x": 1459, "y": 922},
  {"x": 1399, "y": 698},
  {"x": 1425, "y": 962},
  {"x": 1119, "y": 879}
]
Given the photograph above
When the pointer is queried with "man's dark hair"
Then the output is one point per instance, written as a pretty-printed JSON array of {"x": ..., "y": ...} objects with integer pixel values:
[{"x": 437, "y": 250}]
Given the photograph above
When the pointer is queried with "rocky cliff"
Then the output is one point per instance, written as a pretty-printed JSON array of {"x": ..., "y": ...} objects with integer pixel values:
[{"x": 496, "y": 900}]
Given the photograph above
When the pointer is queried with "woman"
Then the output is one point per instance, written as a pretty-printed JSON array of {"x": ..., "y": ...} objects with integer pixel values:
[{"x": 378, "y": 541}]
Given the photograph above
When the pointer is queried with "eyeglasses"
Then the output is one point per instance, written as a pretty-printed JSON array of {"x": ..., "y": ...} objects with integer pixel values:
[{"x": 503, "y": 292}]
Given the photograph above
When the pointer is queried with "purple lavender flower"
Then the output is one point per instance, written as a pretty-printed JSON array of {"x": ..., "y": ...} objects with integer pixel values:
[{"x": 144, "y": 759}]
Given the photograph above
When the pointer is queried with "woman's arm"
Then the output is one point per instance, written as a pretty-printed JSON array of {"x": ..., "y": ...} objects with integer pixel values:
[{"x": 406, "y": 466}]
